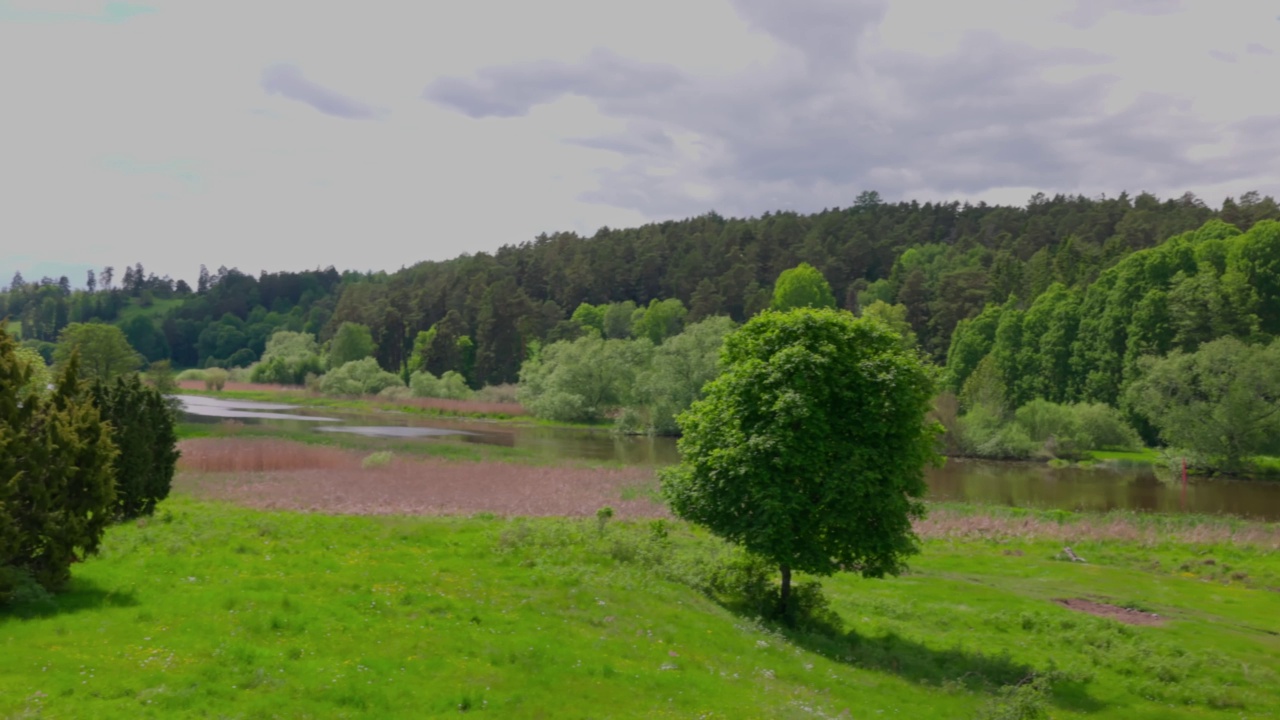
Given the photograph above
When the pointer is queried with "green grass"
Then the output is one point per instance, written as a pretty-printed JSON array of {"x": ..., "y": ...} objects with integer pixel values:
[
  {"x": 1145, "y": 455},
  {"x": 208, "y": 610},
  {"x": 157, "y": 309}
]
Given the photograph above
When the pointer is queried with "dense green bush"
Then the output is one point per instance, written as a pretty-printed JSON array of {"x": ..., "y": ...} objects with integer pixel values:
[
  {"x": 451, "y": 385},
  {"x": 358, "y": 377},
  {"x": 288, "y": 358},
  {"x": 57, "y": 483},
  {"x": 584, "y": 380},
  {"x": 1044, "y": 428},
  {"x": 142, "y": 428}
]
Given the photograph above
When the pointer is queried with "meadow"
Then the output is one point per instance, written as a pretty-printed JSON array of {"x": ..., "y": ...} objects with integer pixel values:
[{"x": 515, "y": 600}]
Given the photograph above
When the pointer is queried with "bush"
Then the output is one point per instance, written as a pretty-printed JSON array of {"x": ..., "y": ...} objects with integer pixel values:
[
  {"x": 505, "y": 393},
  {"x": 397, "y": 392},
  {"x": 215, "y": 379},
  {"x": 358, "y": 377},
  {"x": 983, "y": 433},
  {"x": 142, "y": 427},
  {"x": 56, "y": 458},
  {"x": 451, "y": 385},
  {"x": 1102, "y": 427},
  {"x": 194, "y": 374},
  {"x": 1042, "y": 420},
  {"x": 288, "y": 359}
]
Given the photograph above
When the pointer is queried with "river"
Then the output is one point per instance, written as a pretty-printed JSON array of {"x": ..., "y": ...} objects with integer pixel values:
[{"x": 1109, "y": 486}]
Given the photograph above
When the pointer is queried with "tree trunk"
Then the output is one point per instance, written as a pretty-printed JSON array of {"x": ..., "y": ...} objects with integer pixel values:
[{"x": 786, "y": 591}]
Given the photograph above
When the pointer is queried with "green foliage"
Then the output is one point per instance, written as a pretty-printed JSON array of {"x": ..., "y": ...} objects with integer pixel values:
[
  {"x": 802, "y": 287},
  {"x": 451, "y": 385},
  {"x": 143, "y": 336},
  {"x": 809, "y": 449},
  {"x": 618, "y": 318},
  {"x": 288, "y": 358},
  {"x": 215, "y": 379},
  {"x": 661, "y": 320},
  {"x": 161, "y": 376},
  {"x": 104, "y": 352},
  {"x": 351, "y": 342},
  {"x": 584, "y": 380},
  {"x": 1045, "y": 428},
  {"x": 895, "y": 317},
  {"x": 57, "y": 486},
  {"x": 680, "y": 368},
  {"x": 358, "y": 377},
  {"x": 589, "y": 316},
  {"x": 40, "y": 376},
  {"x": 143, "y": 429},
  {"x": 1102, "y": 427},
  {"x": 1222, "y": 401}
]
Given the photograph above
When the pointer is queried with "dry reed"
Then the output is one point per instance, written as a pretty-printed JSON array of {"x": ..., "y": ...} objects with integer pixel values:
[
  {"x": 273, "y": 474},
  {"x": 279, "y": 474},
  {"x": 943, "y": 522}
]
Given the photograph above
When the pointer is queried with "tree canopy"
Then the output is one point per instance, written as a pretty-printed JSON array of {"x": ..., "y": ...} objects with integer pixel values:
[
  {"x": 105, "y": 353},
  {"x": 809, "y": 449},
  {"x": 802, "y": 287},
  {"x": 1222, "y": 401}
]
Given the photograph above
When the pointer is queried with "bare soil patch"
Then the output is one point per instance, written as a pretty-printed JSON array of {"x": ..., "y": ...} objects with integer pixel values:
[
  {"x": 291, "y": 476},
  {"x": 1113, "y": 612}
]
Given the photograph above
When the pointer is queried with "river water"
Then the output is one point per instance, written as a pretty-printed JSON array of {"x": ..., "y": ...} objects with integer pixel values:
[{"x": 1110, "y": 486}]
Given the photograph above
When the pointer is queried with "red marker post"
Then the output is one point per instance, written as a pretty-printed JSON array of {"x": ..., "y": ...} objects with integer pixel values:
[{"x": 1184, "y": 484}]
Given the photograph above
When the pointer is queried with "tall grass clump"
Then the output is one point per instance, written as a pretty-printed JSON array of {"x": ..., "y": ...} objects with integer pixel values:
[{"x": 382, "y": 458}]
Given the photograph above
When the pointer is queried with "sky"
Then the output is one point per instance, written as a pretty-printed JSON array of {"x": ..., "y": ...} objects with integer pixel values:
[{"x": 298, "y": 134}]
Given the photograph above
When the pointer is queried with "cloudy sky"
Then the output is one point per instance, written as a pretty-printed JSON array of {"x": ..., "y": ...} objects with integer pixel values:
[{"x": 293, "y": 134}]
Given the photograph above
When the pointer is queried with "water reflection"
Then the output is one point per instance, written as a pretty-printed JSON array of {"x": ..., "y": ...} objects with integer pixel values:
[{"x": 1108, "y": 487}]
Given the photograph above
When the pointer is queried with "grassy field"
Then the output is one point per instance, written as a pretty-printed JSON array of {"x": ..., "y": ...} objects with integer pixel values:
[
  {"x": 157, "y": 308},
  {"x": 212, "y": 610}
]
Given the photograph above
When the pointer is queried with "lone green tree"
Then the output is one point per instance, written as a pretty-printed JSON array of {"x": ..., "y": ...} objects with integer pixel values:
[
  {"x": 105, "y": 353},
  {"x": 809, "y": 449},
  {"x": 802, "y": 286}
]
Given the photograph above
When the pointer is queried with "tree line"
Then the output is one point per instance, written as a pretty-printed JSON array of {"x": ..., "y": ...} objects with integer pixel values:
[{"x": 942, "y": 262}]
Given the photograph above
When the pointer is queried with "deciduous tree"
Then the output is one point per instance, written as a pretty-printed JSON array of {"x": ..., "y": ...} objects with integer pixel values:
[{"x": 810, "y": 448}]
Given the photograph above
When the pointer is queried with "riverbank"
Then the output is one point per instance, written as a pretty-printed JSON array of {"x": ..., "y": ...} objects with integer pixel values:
[{"x": 209, "y": 607}]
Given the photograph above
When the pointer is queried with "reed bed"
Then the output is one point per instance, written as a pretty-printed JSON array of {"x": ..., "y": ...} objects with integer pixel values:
[
  {"x": 255, "y": 455},
  {"x": 277, "y": 475},
  {"x": 1146, "y": 529}
]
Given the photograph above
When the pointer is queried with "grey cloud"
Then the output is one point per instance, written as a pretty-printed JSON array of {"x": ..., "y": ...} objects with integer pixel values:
[
  {"x": 638, "y": 140},
  {"x": 824, "y": 30},
  {"x": 1221, "y": 56},
  {"x": 288, "y": 81},
  {"x": 1256, "y": 49},
  {"x": 1087, "y": 13},
  {"x": 980, "y": 118},
  {"x": 513, "y": 90}
]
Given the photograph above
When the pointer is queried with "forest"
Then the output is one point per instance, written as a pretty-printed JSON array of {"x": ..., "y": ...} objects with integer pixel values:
[{"x": 1066, "y": 301}]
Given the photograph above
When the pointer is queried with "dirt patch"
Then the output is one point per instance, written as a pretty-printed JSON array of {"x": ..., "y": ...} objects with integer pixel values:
[
  {"x": 1113, "y": 612},
  {"x": 280, "y": 475}
]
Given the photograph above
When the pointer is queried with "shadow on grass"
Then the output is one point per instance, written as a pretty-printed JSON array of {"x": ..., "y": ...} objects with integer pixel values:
[
  {"x": 820, "y": 631},
  {"x": 81, "y": 595}
]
